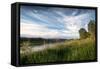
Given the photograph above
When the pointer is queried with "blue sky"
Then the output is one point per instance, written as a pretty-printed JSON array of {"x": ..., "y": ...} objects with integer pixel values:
[{"x": 53, "y": 22}]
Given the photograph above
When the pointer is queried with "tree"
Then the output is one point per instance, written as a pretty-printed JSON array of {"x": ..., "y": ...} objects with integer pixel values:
[
  {"x": 91, "y": 27},
  {"x": 83, "y": 33}
]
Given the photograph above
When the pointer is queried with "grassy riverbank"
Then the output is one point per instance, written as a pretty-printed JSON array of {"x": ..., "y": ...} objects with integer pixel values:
[{"x": 74, "y": 50}]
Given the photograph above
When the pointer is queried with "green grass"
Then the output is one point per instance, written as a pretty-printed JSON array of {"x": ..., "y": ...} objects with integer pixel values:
[{"x": 74, "y": 50}]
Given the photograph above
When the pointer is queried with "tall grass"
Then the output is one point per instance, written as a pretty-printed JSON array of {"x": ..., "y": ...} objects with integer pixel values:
[{"x": 75, "y": 50}]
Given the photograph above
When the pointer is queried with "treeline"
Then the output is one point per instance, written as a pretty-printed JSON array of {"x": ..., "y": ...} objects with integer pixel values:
[
  {"x": 38, "y": 41},
  {"x": 41, "y": 39}
]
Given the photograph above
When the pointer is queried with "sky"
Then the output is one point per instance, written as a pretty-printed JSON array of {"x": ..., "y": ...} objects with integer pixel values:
[{"x": 53, "y": 22}]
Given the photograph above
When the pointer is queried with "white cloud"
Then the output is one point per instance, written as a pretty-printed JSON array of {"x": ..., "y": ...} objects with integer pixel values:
[
  {"x": 72, "y": 25},
  {"x": 75, "y": 12},
  {"x": 35, "y": 30}
]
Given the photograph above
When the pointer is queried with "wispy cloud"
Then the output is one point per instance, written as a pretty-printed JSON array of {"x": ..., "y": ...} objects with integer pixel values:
[
  {"x": 36, "y": 31},
  {"x": 42, "y": 22}
]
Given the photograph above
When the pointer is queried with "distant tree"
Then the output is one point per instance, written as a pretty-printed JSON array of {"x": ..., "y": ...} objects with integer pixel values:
[
  {"x": 83, "y": 33},
  {"x": 91, "y": 27},
  {"x": 88, "y": 34}
]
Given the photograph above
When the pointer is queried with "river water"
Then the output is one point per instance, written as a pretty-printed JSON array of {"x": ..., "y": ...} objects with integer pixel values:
[{"x": 38, "y": 48}]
